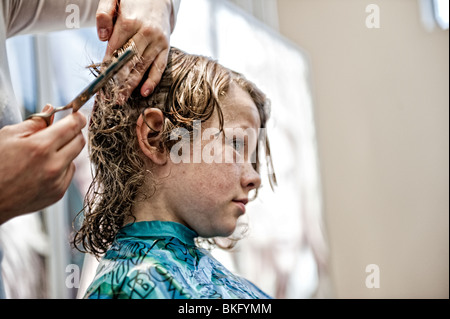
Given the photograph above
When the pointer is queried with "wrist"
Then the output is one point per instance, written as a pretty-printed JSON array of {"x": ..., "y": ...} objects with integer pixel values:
[
  {"x": 5, "y": 215},
  {"x": 175, "y": 5},
  {"x": 9, "y": 207}
]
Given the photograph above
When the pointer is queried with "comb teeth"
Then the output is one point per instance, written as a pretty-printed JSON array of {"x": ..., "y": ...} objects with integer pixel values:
[
  {"x": 136, "y": 61},
  {"x": 96, "y": 68},
  {"x": 130, "y": 44}
]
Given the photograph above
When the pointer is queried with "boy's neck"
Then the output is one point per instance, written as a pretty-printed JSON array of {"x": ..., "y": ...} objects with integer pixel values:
[{"x": 152, "y": 208}]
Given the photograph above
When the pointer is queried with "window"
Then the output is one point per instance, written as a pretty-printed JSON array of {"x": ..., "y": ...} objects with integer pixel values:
[
  {"x": 434, "y": 13},
  {"x": 441, "y": 13}
]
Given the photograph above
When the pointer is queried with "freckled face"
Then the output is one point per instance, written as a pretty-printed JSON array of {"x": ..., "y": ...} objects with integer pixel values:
[{"x": 209, "y": 196}]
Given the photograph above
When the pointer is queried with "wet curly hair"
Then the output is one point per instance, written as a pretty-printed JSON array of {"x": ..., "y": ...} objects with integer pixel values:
[{"x": 191, "y": 89}]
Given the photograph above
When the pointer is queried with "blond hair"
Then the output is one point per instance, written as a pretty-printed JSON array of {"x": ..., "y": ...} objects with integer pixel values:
[{"x": 190, "y": 90}]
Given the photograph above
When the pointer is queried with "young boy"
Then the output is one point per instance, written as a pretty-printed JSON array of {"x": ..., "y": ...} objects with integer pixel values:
[{"x": 171, "y": 168}]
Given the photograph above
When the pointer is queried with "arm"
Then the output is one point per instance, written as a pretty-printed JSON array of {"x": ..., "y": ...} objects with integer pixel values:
[{"x": 37, "y": 16}]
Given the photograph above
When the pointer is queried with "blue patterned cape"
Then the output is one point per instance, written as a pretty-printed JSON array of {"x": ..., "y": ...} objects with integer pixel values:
[{"x": 160, "y": 260}]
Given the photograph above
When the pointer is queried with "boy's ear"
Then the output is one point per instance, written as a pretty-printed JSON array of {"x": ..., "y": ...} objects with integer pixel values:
[{"x": 148, "y": 128}]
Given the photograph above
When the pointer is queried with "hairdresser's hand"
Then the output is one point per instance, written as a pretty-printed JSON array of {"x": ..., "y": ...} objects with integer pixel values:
[
  {"x": 36, "y": 163},
  {"x": 149, "y": 23}
]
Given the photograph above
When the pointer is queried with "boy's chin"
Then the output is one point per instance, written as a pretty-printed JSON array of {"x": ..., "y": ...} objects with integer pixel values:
[{"x": 222, "y": 231}]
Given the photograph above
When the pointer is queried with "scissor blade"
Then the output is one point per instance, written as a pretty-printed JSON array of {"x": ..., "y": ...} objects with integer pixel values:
[{"x": 102, "y": 79}]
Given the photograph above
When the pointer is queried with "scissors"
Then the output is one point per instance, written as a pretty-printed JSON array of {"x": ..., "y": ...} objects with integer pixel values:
[{"x": 93, "y": 87}]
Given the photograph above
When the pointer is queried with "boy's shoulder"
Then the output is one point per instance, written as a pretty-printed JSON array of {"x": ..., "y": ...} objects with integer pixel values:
[
  {"x": 166, "y": 268},
  {"x": 143, "y": 269}
]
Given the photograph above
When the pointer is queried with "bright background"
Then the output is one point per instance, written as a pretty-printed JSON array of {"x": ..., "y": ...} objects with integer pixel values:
[
  {"x": 381, "y": 102},
  {"x": 359, "y": 135}
]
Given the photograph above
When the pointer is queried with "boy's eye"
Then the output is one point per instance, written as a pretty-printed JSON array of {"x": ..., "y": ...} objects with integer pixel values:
[{"x": 238, "y": 145}]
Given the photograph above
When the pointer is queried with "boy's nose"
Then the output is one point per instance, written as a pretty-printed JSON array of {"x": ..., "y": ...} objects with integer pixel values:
[{"x": 250, "y": 178}]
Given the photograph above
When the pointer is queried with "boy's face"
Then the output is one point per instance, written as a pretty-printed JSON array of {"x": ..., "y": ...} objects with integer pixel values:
[{"x": 208, "y": 193}]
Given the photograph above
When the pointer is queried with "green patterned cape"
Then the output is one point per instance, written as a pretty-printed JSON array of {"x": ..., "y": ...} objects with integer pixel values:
[{"x": 160, "y": 260}]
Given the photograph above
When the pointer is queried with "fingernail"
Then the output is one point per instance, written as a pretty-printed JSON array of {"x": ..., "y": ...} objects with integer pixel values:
[
  {"x": 103, "y": 33},
  {"x": 147, "y": 93},
  {"x": 46, "y": 108}
]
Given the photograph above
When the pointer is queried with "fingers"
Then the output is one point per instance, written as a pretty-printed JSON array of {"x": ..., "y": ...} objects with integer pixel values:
[
  {"x": 63, "y": 131},
  {"x": 63, "y": 142},
  {"x": 153, "y": 55},
  {"x": 127, "y": 75},
  {"x": 106, "y": 13},
  {"x": 58, "y": 181},
  {"x": 148, "y": 23},
  {"x": 47, "y": 109},
  {"x": 132, "y": 75},
  {"x": 124, "y": 29},
  {"x": 67, "y": 177},
  {"x": 71, "y": 150},
  {"x": 38, "y": 161},
  {"x": 34, "y": 124},
  {"x": 155, "y": 74}
]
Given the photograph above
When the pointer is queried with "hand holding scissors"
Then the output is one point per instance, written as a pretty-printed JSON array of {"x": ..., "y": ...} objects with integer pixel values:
[{"x": 93, "y": 87}]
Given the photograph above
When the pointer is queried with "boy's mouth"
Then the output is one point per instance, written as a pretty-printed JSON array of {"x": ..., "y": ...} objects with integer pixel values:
[{"x": 241, "y": 203}]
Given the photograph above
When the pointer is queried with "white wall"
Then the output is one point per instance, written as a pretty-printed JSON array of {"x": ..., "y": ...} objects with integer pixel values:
[{"x": 382, "y": 115}]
